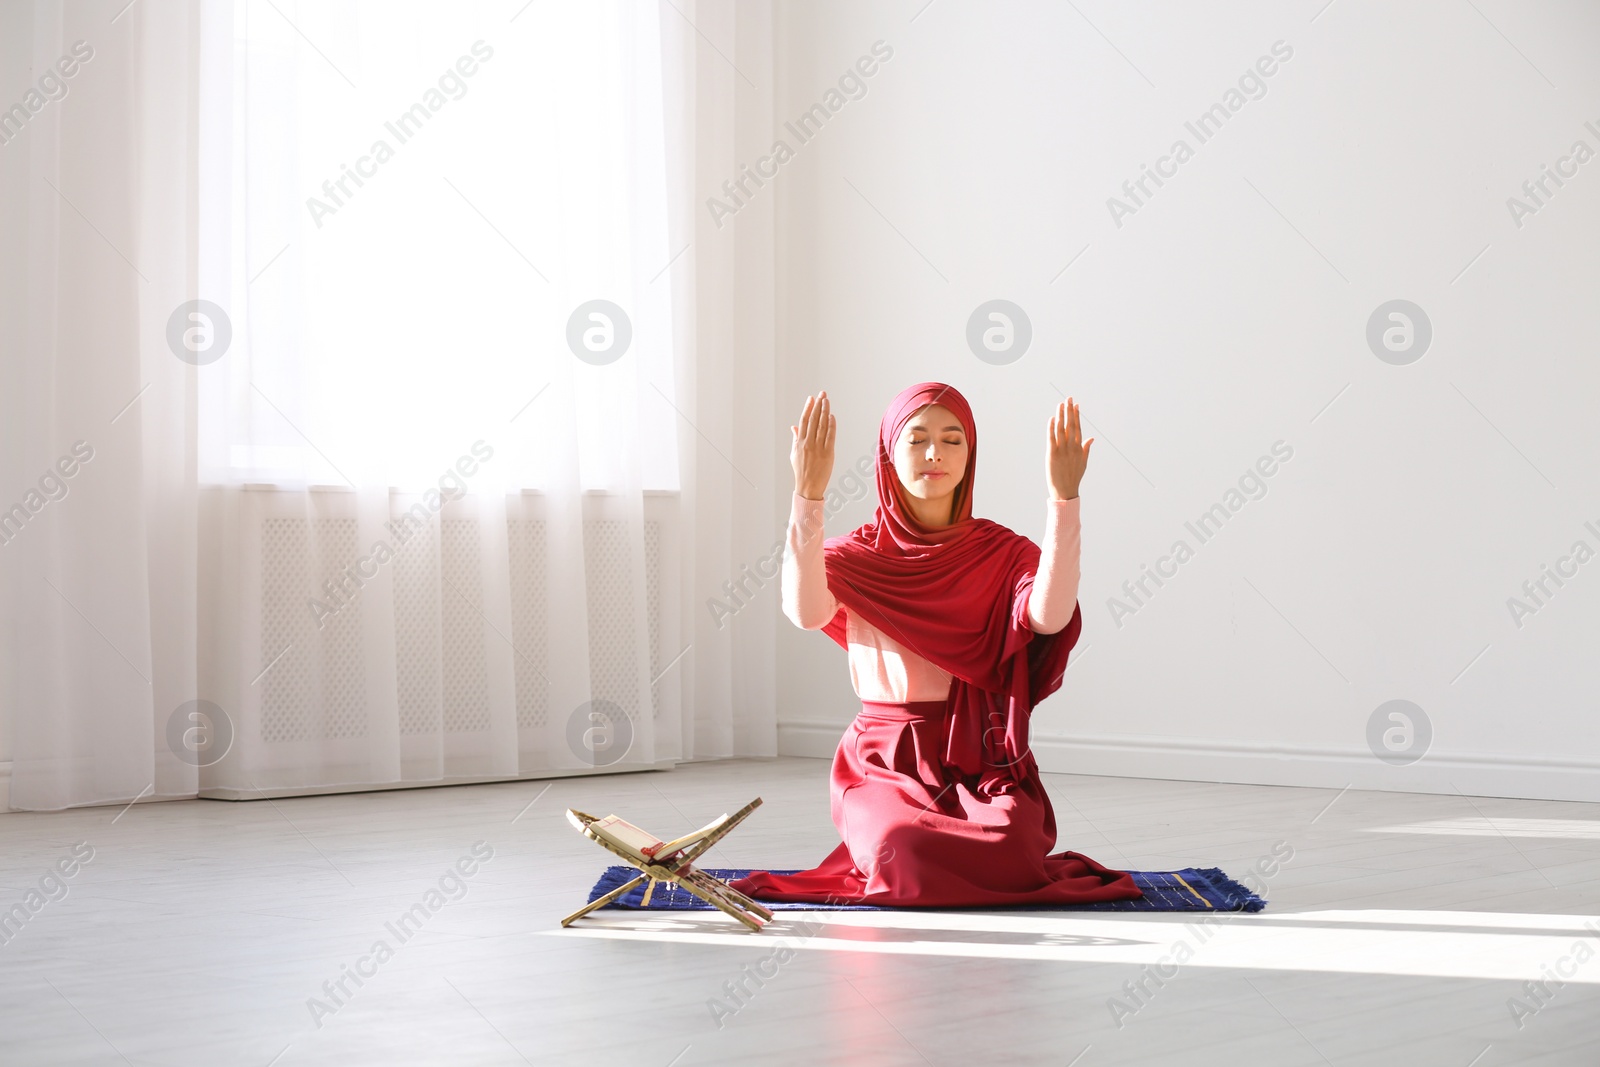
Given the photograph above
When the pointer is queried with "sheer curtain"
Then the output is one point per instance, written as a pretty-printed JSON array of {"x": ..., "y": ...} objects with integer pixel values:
[{"x": 432, "y": 445}]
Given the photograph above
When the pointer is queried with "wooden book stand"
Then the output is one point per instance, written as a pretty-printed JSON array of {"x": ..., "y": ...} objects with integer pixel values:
[{"x": 669, "y": 861}]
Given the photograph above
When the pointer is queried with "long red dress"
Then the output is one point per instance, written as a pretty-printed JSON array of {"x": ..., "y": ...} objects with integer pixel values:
[{"x": 939, "y": 803}]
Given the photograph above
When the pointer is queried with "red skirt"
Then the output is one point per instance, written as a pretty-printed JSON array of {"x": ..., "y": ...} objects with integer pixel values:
[{"x": 917, "y": 832}]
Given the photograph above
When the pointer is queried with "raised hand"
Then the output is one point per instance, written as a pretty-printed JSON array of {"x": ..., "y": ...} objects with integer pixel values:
[
  {"x": 1066, "y": 452},
  {"x": 811, "y": 453}
]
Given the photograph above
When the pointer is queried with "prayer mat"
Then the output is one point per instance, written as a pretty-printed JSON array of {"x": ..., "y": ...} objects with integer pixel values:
[{"x": 1191, "y": 889}]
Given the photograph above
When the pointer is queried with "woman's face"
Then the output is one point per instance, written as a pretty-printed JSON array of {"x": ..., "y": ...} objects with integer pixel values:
[{"x": 931, "y": 453}]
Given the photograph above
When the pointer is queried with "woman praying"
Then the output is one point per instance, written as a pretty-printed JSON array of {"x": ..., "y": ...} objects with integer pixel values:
[{"x": 955, "y": 627}]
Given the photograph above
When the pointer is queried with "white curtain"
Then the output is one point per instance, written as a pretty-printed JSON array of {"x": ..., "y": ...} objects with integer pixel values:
[{"x": 406, "y": 355}]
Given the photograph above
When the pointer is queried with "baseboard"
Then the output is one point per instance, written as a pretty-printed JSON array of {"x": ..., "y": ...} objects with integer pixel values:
[
  {"x": 1252, "y": 763},
  {"x": 801, "y": 738},
  {"x": 229, "y": 793},
  {"x": 299, "y": 791}
]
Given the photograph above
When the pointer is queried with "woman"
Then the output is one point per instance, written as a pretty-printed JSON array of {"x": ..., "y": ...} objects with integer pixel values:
[{"x": 954, "y": 633}]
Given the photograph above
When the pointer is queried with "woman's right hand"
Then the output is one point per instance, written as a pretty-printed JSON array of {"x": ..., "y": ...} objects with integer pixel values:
[{"x": 811, "y": 454}]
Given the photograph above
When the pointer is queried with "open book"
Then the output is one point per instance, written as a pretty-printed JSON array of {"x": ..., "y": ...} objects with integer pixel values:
[
  {"x": 641, "y": 842},
  {"x": 669, "y": 862}
]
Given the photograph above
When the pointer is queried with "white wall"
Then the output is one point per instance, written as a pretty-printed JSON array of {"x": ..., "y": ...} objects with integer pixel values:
[
  {"x": 1229, "y": 313},
  {"x": 16, "y": 74}
]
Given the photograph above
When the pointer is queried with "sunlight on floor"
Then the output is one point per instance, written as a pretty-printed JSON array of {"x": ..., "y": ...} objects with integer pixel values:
[
  {"x": 1443, "y": 944},
  {"x": 1477, "y": 826}
]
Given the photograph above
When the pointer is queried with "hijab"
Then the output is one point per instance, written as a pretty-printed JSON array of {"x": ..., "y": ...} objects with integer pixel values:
[{"x": 958, "y": 597}]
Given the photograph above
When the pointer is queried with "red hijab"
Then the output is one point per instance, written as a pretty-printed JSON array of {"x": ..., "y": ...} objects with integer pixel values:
[{"x": 956, "y": 596}]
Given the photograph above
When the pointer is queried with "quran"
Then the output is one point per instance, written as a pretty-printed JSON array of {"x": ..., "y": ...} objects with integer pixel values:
[{"x": 669, "y": 861}]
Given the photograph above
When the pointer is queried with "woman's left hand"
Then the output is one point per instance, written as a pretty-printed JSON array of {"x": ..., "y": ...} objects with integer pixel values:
[{"x": 1066, "y": 452}]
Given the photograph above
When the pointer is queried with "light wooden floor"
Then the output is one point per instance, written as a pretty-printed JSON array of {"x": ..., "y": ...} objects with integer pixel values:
[{"x": 199, "y": 931}]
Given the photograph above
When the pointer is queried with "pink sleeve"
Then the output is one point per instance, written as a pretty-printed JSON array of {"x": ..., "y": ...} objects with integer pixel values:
[
  {"x": 806, "y": 598},
  {"x": 1055, "y": 589}
]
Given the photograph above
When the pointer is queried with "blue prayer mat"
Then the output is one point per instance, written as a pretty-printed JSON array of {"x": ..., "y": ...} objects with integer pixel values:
[{"x": 1191, "y": 889}]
